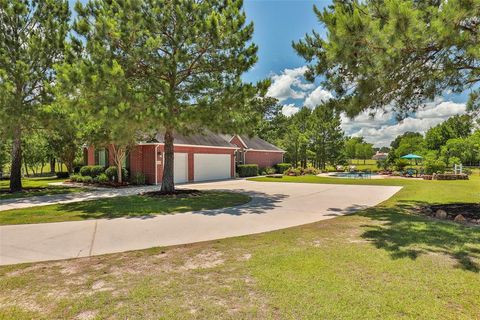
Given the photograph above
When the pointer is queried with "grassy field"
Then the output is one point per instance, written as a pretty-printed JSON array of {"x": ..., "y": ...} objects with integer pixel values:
[
  {"x": 383, "y": 263},
  {"x": 131, "y": 206},
  {"x": 35, "y": 187}
]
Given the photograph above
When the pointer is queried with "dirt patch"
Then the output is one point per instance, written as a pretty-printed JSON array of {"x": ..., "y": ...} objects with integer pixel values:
[
  {"x": 460, "y": 212},
  {"x": 178, "y": 193},
  {"x": 86, "y": 315},
  {"x": 204, "y": 260}
]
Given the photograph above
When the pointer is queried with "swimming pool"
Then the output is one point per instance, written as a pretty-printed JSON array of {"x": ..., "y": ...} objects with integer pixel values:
[{"x": 353, "y": 175}]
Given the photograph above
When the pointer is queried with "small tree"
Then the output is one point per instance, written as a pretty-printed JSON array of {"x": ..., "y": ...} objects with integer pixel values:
[{"x": 32, "y": 35}]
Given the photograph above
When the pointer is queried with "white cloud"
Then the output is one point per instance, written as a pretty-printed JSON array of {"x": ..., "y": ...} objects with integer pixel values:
[
  {"x": 289, "y": 84},
  {"x": 316, "y": 97},
  {"x": 383, "y": 128},
  {"x": 441, "y": 110},
  {"x": 379, "y": 127},
  {"x": 289, "y": 109}
]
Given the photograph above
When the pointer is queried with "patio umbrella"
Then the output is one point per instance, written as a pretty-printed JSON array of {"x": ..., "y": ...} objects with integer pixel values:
[{"x": 411, "y": 156}]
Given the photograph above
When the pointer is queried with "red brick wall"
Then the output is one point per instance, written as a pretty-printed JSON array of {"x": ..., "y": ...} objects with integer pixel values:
[
  {"x": 149, "y": 163},
  {"x": 236, "y": 141},
  {"x": 91, "y": 156},
  {"x": 263, "y": 158}
]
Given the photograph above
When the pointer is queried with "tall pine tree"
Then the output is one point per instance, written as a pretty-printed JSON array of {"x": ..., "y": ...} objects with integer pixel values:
[{"x": 32, "y": 37}]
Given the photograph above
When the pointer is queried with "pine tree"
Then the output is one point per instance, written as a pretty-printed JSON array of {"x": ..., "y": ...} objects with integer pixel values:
[{"x": 32, "y": 37}]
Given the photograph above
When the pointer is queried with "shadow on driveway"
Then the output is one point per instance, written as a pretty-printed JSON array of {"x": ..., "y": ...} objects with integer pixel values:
[{"x": 148, "y": 207}]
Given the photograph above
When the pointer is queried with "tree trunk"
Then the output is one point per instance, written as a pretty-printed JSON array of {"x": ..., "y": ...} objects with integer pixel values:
[
  {"x": 119, "y": 154},
  {"x": 52, "y": 165},
  {"x": 168, "y": 184},
  {"x": 16, "y": 165}
]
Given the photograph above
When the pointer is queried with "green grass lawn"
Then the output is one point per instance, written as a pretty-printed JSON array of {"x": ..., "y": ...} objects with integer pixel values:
[
  {"x": 131, "y": 206},
  {"x": 381, "y": 263},
  {"x": 35, "y": 187}
]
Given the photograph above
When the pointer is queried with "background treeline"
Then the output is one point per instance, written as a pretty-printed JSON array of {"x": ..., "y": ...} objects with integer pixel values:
[{"x": 313, "y": 137}]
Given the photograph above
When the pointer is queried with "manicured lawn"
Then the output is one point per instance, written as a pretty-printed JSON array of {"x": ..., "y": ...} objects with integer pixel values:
[
  {"x": 380, "y": 263},
  {"x": 131, "y": 206},
  {"x": 35, "y": 187}
]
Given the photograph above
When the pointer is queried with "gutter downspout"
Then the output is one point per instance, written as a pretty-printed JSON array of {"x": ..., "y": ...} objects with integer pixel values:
[{"x": 156, "y": 164}]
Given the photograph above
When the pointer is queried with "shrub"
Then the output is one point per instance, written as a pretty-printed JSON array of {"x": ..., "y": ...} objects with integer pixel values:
[
  {"x": 86, "y": 179},
  {"x": 301, "y": 171},
  {"x": 282, "y": 167},
  {"x": 400, "y": 164},
  {"x": 293, "y": 172},
  {"x": 92, "y": 171},
  {"x": 311, "y": 171},
  {"x": 247, "y": 170},
  {"x": 270, "y": 170},
  {"x": 101, "y": 178},
  {"x": 112, "y": 174},
  {"x": 62, "y": 175},
  {"x": 138, "y": 178},
  {"x": 75, "y": 178},
  {"x": 434, "y": 166}
]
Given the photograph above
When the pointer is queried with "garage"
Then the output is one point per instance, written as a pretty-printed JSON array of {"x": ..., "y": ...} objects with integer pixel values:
[
  {"x": 212, "y": 166},
  {"x": 180, "y": 172}
]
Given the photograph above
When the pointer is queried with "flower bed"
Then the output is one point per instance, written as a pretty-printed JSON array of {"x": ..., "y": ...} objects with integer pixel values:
[{"x": 445, "y": 176}]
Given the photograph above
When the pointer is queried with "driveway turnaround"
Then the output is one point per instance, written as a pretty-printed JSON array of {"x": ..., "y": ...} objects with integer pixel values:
[{"x": 274, "y": 206}]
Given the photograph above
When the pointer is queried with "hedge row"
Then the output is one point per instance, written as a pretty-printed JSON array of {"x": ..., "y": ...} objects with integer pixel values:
[
  {"x": 110, "y": 173},
  {"x": 247, "y": 170}
]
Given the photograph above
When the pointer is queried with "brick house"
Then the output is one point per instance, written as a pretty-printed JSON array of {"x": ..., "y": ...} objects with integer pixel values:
[
  {"x": 196, "y": 157},
  {"x": 256, "y": 151}
]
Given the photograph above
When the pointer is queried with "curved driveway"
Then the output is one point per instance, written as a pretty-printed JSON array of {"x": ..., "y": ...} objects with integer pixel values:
[{"x": 273, "y": 206}]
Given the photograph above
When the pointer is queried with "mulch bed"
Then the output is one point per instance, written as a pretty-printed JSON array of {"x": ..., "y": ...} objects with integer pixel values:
[
  {"x": 469, "y": 211},
  {"x": 178, "y": 193}
]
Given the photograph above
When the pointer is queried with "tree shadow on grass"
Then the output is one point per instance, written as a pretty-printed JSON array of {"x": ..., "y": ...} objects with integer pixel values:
[
  {"x": 407, "y": 235},
  {"x": 144, "y": 207}
]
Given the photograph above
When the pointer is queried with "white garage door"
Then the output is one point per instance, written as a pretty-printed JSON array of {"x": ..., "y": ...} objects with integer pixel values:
[
  {"x": 212, "y": 166},
  {"x": 180, "y": 165}
]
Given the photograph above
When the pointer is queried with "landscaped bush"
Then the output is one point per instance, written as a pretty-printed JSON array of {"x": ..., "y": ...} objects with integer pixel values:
[
  {"x": 282, "y": 167},
  {"x": 434, "y": 166},
  {"x": 92, "y": 171},
  {"x": 301, "y": 171},
  {"x": 75, "y": 178},
  {"x": 85, "y": 179},
  {"x": 138, "y": 178},
  {"x": 293, "y": 172},
  {"x": 311, "y": 171},
  {"x": 270, "y": 170},
  {"x": 400, "y": 164},
  {"x": 101, "y": 178},
  {"x": 247, "y": 170},
  {"x": 62, "y": 175},
  {"x": 112, "y": 173}
]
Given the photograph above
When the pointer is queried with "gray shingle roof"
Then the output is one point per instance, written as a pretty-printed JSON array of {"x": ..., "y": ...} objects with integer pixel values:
[
  {"x": 257, "y": 143},
  {"x": 204, "y": 139}
]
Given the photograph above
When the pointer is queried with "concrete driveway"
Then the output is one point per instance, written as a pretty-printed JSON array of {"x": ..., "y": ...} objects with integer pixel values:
[{"x": 273, "y": 206}]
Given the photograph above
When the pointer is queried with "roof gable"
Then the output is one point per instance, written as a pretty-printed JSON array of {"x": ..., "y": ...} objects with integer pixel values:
[{"x": 256, "y": 143}]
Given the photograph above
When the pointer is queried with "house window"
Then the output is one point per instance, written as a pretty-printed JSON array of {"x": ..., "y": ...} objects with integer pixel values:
[{"x": 101, "y": 157}]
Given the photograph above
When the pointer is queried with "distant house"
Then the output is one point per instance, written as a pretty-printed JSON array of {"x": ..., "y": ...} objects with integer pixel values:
[
  {"x": 196, "y": 157},
  {"x": 380, "y": 156}
]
